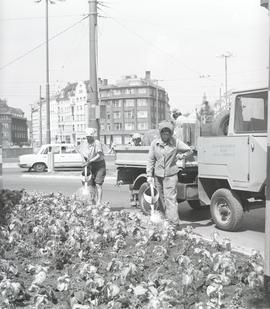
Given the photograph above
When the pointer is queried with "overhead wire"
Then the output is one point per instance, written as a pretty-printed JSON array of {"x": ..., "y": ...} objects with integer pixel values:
[
  {"x": 154, "y": 45},
  {"x": 38, "y": 17},
  {"x": 41, "y": 44},
  {"x": 209, "y": 79}
]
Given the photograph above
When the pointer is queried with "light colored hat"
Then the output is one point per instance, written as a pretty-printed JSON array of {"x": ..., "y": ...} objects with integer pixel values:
[
  {"x": 136, "y": 135},
  {"x": 167, "y": 125},
  {"x": 90, "y": 132}
]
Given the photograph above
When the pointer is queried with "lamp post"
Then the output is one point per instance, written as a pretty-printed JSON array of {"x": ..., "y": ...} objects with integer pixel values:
[
  {"x": 48, "y": 129},
  {"x": 226, "y": 56}
]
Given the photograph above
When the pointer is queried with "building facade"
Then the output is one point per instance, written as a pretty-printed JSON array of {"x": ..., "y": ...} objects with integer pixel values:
[
  {"x": 14, "y": 125},
  {"x": 130, "y": 105}
]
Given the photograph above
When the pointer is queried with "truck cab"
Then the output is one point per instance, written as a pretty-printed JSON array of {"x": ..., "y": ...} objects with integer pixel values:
[{"x": 232, "y": 168}]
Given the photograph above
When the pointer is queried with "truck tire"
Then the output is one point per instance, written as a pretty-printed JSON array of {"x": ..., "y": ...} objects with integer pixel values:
[
  {"x": 220, "y": 124},
  {"x": 226, "y": 210},
  {"x": 145, "y": 207},
  {"x": 39, "y": 167}
]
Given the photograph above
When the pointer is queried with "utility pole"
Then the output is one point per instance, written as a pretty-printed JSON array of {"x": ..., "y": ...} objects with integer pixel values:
[
  {"x": 48, "y": 129},
  {"x": 93, "y": 119},
  {"x": 40, "y": 116},
  {"x": 226, "y": 56}
]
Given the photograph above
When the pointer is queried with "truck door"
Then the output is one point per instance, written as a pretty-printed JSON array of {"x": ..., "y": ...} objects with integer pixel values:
[
  {"x": 251, "y": 118},
  {"x": 225, "y": 157}
]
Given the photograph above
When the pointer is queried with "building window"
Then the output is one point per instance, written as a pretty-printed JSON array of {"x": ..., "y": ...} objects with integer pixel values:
[
  {"x": 108, "y": 126},
  {"x": 103, "y": 94},
  {"x": 118, "y": 126},
  {"x": 142, "y": 126},
  {"x": 129, "y": 126},
  {"x": 117, "y": 92},
  {"x": 142, "y": 114},
  {"x": 142, "y": 90},
  {"x": 129, "y": 103},
  {"x": 129, "y": 114},
  {"x": 117, "y": 139},
  {"x": 108, "y": 116},
  {"x": 141, "y": 102},
  {"x": 130, "y": 91},
  {"x": 116, "y": 103},
  {"x": 116, "y": 115}
]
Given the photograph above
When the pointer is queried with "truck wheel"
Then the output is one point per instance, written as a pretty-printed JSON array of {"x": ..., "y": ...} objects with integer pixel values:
[
  {"x": 220, "y": 124},
  {"x": 226, "y": 210},
  {"x": 145, "y": 207},
  {"x": 39, "y": 167}
]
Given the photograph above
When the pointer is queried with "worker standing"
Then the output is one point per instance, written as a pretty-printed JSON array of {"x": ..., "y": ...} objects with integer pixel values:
[
  {"x": 95, "y": 162},
  {"x": 162, "y": 169}
]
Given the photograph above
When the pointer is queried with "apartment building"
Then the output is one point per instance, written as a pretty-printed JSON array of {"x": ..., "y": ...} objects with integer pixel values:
[
  {"x": 14, "y": 125},
  {"x": 130, "y": 105}
]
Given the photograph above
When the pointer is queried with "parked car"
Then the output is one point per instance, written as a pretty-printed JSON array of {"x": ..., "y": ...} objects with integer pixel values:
[{"x": 65, "y": 156}]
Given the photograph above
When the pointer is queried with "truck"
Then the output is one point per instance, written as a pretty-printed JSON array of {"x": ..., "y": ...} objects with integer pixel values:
[{"x": 226, "y": 172}]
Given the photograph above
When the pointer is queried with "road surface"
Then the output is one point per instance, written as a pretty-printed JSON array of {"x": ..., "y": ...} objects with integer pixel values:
[{"x": 251, "y": 235}]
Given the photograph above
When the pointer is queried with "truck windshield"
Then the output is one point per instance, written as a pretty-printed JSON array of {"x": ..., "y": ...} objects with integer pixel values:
[{"x": 251, "y": 113}]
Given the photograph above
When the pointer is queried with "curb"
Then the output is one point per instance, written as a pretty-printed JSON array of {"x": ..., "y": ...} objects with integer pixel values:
[{"x": 237, "y": 249}]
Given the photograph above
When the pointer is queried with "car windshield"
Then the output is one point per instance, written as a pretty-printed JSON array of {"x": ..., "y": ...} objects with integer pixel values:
[
  {"x": 251, "y": 113},
  {"x": 50, "y": 148}
]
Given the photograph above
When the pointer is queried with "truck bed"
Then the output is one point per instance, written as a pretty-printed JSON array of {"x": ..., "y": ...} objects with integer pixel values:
[{"x": 137, "y": 156}]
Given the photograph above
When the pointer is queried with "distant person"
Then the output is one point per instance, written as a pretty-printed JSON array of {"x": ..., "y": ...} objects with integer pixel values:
[
  {"x": 163, "y": 170},
  {"x": 175, "y": 114},
  {"x": 206, "y": 113},
  {"x": 95, "y": 162},
  {"x": 136, "y": 140}
]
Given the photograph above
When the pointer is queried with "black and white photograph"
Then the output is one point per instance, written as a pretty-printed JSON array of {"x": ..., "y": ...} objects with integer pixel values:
[{"x": 134, "y": 154}]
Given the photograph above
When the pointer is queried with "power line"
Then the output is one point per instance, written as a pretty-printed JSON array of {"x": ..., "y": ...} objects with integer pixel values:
[
  {"x": 38, "y": 17},
  {"x": 41, "y": 44},
  {"x": 157, "y": 47}
]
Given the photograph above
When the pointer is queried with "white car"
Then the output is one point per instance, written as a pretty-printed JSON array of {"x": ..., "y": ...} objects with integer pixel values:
[{"x": 65, "y": 155}]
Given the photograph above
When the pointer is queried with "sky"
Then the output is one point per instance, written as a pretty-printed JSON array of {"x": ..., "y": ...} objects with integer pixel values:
[{"x": 179, "y": 41}]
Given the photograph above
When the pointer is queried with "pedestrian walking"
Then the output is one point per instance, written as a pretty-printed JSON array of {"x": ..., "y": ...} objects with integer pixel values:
[
  {"x": 94, "y": 160},
  {"x": 162, "y": 169}
]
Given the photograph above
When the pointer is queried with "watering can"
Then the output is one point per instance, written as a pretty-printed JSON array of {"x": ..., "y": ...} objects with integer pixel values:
[{"x": 151, "y": 196}]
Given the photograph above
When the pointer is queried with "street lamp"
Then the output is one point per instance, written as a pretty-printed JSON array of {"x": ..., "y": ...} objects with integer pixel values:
[
  {"x": 226, "y": 56},
  {"x": 48, "y": 130}
]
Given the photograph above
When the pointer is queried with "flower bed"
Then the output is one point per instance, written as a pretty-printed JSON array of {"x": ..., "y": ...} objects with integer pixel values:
[{"x": 57, "y": 252}]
